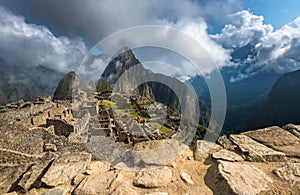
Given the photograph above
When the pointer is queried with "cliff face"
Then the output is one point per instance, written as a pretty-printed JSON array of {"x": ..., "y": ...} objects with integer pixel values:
[{"x": 282, "y": 104}]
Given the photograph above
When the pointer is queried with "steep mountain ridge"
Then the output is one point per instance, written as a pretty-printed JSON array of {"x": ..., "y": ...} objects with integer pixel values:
[{"x": 282, "y": 104}]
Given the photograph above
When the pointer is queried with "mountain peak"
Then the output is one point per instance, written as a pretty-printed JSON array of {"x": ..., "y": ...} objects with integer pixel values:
[
  {"x": 120, "y": 62},
  {"x": 65, "y": 86}
]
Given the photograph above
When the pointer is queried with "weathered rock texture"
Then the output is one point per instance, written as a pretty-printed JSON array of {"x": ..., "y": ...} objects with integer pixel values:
[
  {"x": 254, "y": 151},
  {"x": 242, "y": 178},
  {"x": 290, "y": 173},
  {"x": 277, "y": 139},
  {"x": 227, "y": 155},
  {"x": 153, "y": 177}
]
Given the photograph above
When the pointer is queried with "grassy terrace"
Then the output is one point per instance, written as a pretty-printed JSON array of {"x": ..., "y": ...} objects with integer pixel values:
[
  {"x": 107, "y": 104},
  {"x": 132, "y": 111},
  {"x": 161, "y": 128}
]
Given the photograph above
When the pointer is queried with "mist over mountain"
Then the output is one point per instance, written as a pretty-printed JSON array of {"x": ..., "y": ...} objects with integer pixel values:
[{"x": 26, "y": 82}]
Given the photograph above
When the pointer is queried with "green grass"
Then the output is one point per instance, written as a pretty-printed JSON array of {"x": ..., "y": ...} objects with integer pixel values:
[
  {"x": 132, "y": 107},
  {"x": 108, "y": 104},
  {"x": 137, "y": 115},
  {"x": 161, "y": 128},
  {"x": 164, "y": 129}
]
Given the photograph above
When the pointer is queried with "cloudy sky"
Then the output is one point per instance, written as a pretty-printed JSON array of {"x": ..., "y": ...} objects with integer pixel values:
[{"x": 58, "y": 34}]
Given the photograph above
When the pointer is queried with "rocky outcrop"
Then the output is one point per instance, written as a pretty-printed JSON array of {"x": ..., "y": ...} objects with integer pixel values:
[
  {"x": 254, "y": 151},
  {"x": 65, "y": 168},
  {"x": 277, "y": 139},
  {"x": 98, "y": 183},
  {"x": 56, "y": 191},
  {"x": 9, "y": 176},
  {"x": 203, "y": 148},
  {"x": 293, "y": 129},
  {"x": 242, "y": 179}
]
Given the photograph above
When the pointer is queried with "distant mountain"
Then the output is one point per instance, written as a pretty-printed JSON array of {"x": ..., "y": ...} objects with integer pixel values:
[
  {"x": 282, "y": 105},
  {"x": 64, "y": 89},
  {"x": 246, "y": 93},
  {"x": 155, "y": 90},
  {"x": 25, "y": 82},
  {"x": 123, "y": 60}
]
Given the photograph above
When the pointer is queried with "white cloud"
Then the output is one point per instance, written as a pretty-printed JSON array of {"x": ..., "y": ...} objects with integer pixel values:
[
  {"x": 244, "y": 28},
  {"x": 275, "y": 50},
  {"x": 280, "y": 50},
  {"x": 197, "y": 29},
  {"x": 94, "y": 19},
  {"x": 185, "y": 36},
  {"x": 24, "y": 44}
]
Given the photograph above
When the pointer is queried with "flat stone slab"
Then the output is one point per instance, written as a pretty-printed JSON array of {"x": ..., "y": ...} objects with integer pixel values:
[
  {"x": 66, "y": 168},
  {"x": 256, "y": 152},
  {"x": 289, "y": 173},
  {"x": 227, "y": 155},
  {"x": 278, "y": 139},
  {"x": 153, "y": 177},
  {"x": 242, "y": 179}
]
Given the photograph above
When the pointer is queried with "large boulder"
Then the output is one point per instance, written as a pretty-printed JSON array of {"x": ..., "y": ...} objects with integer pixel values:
[
  {"x": 153, "y": 177},
  {"x": 278, "y": 139},
  {"x": 242, "y": 179},
  {"x": 254, "y": 151}
]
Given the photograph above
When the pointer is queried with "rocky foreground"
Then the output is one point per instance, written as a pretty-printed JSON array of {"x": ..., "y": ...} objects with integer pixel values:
[{"x": 36, "y": 157}]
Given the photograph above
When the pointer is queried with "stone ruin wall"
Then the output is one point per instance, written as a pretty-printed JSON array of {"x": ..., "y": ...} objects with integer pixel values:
[
  {"x": 61, "y": 127},
  {"x": 40, "y": 118}
]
